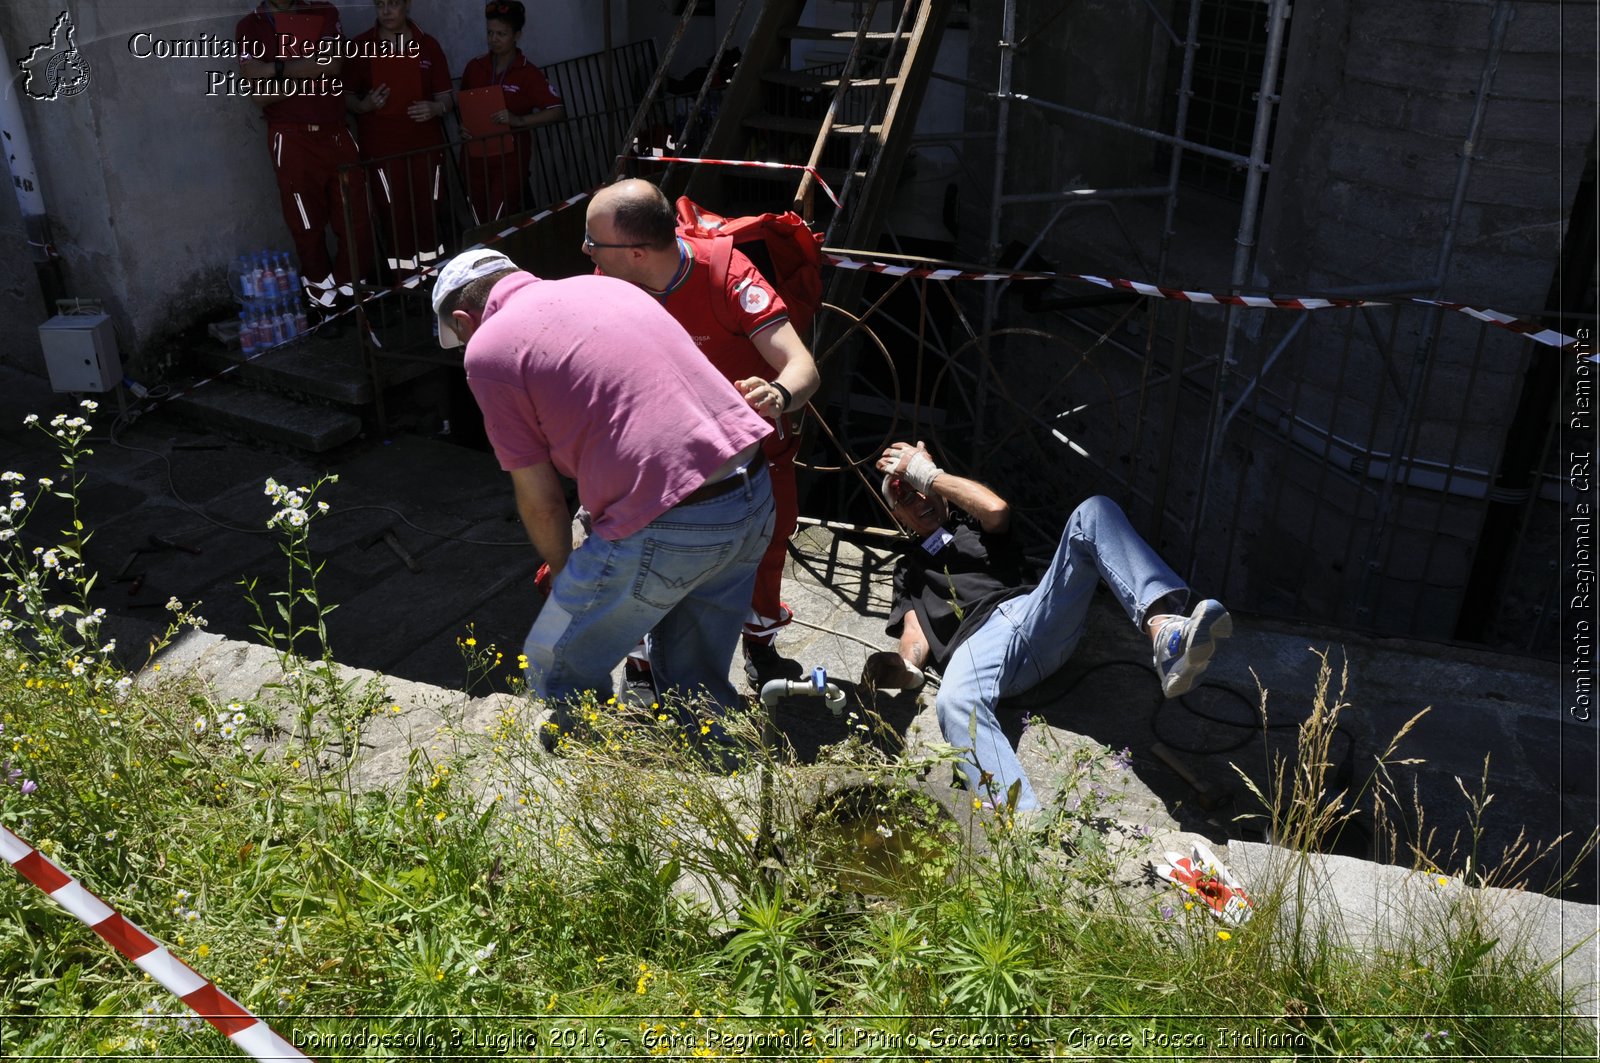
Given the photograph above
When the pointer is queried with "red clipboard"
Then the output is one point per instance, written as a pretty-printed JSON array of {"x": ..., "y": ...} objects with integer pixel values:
[
  {"x": 403, "y": 75},
  {"x": 296, "y": 33},
  {"x": 488, "y": 136}
]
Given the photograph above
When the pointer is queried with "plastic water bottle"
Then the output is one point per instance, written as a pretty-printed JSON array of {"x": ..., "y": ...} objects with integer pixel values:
[
  {"x": 269, "y": 279},
  {"x": 247, "y": 333},
  {"x": 280, "y": 271},
  {"x": 295, "y": 287},
  {"x": 246, "y": 283},
  {"x": 300, "y": 322}
]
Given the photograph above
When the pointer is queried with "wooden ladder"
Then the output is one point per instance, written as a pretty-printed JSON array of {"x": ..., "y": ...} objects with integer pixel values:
[{"x": 849, "y": 122}]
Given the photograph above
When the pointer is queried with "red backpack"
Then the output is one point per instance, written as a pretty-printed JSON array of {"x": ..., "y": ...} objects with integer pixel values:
[{"x": 782, "y": 247}]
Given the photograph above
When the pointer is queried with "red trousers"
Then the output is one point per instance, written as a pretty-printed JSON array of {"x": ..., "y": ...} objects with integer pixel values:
[
  {"x": 497, "y": 184},
  {"x": 407, "y": 191},
  {"x": 767, "y": 611},
  {"x": 313, "y": 194}
]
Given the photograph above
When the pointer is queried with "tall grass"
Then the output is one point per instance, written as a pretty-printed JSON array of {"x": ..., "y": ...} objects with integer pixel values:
[{"x": 633, "y": 896}]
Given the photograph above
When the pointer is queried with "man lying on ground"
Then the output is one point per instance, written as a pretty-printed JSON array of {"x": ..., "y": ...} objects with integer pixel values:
[{"x": 964, "y": 603}]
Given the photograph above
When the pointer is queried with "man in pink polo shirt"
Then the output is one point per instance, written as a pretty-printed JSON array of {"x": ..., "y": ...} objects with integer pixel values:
[{"x": 588, "y": 378}]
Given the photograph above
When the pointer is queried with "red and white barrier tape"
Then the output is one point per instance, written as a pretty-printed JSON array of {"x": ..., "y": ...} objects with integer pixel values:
[
  {"x": 410, "y": 283},
  {"x": 942, "y": 273},
  {"x": 1532, "y": 330},
  {"x": 656, "y": 155},
  {"x": 1292, "y": 302},
  {"x": 178, "y": 978}
]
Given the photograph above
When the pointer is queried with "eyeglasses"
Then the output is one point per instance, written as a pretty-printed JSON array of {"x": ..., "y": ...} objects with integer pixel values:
[
  {"x": 901, "y": 492},
  {"x": 591, "y": 244}
]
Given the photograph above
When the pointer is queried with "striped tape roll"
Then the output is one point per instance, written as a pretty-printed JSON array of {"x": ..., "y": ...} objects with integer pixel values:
[{"x": 178, "y": 978}]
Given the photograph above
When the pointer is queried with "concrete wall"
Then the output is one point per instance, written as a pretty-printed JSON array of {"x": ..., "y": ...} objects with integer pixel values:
[
  {"x": 1375, "y": 108},
  {"x": 153, "y": 187},
  {"x": 655, "y": 18},
  {"x": 1378, "y": 100}
]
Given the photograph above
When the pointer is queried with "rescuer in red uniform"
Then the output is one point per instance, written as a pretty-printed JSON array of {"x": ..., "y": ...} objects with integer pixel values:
[
  {"x": 630, "y": 233},
  {"x": 308, "y": 140},
  {"x": 497, "y": 182},
  {"x": 402, "y": 137}
]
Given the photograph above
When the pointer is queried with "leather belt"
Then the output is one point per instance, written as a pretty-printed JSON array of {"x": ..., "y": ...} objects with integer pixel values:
[{"x": 738, "y": 478}]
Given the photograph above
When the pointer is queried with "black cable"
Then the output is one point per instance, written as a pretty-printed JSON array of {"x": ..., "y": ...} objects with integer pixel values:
[{"x": 127, "y": 418}]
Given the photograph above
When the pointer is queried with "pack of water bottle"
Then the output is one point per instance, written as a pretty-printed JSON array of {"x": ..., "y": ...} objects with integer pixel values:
[{"x": 272, "y": 308}]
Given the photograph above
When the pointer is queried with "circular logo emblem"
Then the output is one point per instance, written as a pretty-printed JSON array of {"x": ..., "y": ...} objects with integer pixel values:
[
  {"x": 67, "y": 74},
  {"x": 754, "y": 299}
]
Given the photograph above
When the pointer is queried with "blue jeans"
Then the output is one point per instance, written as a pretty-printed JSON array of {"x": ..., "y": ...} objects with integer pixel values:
[
  {"x": 685, "y": 577},
  {"x": 1026, "y": 639}
]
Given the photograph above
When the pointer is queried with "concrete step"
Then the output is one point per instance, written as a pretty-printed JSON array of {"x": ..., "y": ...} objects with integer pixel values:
[
  {"x": 331, "y": 369},
  {"x": 313, "y": 392},
  {"x": 263, "y": 415}
]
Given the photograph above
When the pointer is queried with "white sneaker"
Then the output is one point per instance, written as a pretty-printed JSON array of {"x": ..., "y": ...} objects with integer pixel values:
[{"x": 1184, "y": 645}]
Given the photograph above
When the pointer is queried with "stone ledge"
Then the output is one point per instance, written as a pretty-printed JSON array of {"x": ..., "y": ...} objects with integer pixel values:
[
  {"x": 1361, "y": 904},
  {"x": 1370, "y": 906}
]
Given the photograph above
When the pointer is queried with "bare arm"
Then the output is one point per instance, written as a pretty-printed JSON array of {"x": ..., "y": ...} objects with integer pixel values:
[
  {"x": 542, "y": 117},
  {"x": 900, "y": 669},
  {"x": 792, "y": 364},
  {"x": 428, "y": 110},
  {"x": 542, "y": 504},
  {"x": 913, "y": 643},
  {"x": 531, "y": 119},
  {"x": 991, "y": 511}
]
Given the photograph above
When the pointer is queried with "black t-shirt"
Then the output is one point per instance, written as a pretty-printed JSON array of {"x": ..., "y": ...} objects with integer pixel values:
[{"x": 955, "y": 587}]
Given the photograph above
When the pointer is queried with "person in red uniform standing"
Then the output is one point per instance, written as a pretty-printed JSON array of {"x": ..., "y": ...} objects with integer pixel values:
[
  {"x": 308, "y": 140},
  {"x": 405, "y": 177},
  {"x": 497, "y": 182},
  {"x": 631, "y": 233}
]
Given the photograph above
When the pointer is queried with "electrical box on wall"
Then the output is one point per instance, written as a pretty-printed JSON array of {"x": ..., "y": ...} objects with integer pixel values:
[{"x": 80, "y": 352}]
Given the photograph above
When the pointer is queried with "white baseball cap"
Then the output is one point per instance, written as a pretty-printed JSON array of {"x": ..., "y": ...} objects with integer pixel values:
[{"x": 458, "y": 273}]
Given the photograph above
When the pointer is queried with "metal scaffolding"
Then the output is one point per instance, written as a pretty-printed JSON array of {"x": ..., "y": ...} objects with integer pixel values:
[{"x": 1331, "y": 466}]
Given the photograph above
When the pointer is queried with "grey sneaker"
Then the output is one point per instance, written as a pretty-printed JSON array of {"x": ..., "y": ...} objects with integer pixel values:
[{"x": 1184, "y": 645}]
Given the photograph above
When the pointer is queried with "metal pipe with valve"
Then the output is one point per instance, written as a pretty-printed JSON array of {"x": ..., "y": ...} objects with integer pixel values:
[{"x": 816, "y": 686}]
